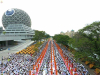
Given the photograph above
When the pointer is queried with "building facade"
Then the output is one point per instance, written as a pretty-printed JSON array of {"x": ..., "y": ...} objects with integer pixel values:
[
  {"x": 17, "y": 26},
  {"x": 69, "y": 33}
]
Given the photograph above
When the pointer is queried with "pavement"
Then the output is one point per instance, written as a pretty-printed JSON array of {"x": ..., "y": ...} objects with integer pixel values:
[{"x": 14, "y": 49}]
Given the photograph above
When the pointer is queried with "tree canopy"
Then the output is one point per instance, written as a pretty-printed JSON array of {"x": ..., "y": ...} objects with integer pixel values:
[
  {"x": 39, "y": 35},
  {"x": 63, "y": 39},
  {"x": 87, "y": 41}
]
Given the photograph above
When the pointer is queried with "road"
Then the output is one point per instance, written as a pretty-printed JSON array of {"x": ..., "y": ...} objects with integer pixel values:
[
  {"x": 55, "y": 61},
  {"x": 50, "y": 60}
]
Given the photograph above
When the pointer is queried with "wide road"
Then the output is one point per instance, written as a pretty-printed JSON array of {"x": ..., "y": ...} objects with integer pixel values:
[
  {"x": 51, "y": 59},
  {"x": 55, "y": 61},
  {"x": 16, "y": 48}
]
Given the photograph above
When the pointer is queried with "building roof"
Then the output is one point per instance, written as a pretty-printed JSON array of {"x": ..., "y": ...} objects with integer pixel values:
[{"x": 72, "y": 30}]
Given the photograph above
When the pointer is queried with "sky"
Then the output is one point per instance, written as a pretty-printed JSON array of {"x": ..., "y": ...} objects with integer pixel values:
[{"x": 54, "y": 16}]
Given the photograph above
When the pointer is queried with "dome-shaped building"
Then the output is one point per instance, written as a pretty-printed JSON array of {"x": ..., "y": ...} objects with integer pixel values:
[{"x": 16, "y": 16}]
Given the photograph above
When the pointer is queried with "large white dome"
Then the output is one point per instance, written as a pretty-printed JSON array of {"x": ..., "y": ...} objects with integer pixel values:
[{"x": 15, "y": 16}]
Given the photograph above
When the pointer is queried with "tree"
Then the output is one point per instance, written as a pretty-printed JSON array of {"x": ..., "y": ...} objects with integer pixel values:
[
  {"x": 92, "y": 32},
  {"x": 47, "y": 36},
  {"x": 39, "y": 35},
  {"x": 63, "y": 39},
  {"x": 87, "y": 42}
]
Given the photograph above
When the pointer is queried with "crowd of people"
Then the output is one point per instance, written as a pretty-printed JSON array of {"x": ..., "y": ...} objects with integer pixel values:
[
  {"x": 81, "y": 70},
  {"x": 18, "y": 64},
  {"x": 62, "y": 69},
  {"x": 21, "y": 64},
  {"x": 45, "y": 68}
]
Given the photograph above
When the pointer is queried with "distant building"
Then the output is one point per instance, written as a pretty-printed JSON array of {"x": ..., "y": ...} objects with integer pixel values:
[
  {"x": 69, "y": 33},
  {"x": 62, "y": 33}
]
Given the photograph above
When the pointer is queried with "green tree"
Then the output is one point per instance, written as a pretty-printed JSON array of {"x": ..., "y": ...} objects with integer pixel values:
[
  {"x": 92, "y": 32},
  {"x": 47, "y": 36},
  {"x": 39, "y": 35},
  {"x": 87, "y": 42},
  {"x": 63, "y": 39}
]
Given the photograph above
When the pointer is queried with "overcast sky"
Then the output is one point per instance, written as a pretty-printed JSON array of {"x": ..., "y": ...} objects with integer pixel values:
[{"x": 54, "y": 16}]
